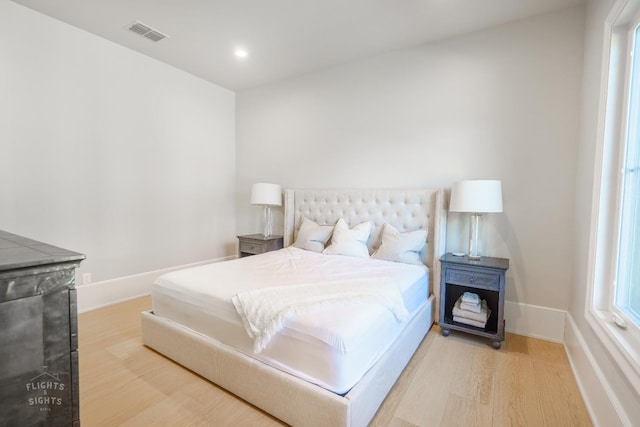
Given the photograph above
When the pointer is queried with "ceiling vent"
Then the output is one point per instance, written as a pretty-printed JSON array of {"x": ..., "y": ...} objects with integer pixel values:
[{"x": 146, "y": 31}]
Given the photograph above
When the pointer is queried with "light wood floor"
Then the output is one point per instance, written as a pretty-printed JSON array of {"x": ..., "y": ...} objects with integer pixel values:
[{"x": 453, "y": 381}]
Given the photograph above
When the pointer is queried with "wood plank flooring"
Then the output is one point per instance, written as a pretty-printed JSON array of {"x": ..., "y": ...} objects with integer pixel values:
[{"x": 455, "y": 381}]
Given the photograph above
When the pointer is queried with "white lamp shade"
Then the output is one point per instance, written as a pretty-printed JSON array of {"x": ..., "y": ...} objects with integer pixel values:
[
  {"x": 476, "y": 196},
  {"x": 266, "y": 194}
]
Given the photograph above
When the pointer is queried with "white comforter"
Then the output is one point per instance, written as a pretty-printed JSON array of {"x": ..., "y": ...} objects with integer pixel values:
[
  {"x": 217, "y": 283},
  {"x": 264, "y": 311}
]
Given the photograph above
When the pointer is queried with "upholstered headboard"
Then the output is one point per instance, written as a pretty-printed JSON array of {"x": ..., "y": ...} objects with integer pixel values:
[{"x": 406, "y": 210}]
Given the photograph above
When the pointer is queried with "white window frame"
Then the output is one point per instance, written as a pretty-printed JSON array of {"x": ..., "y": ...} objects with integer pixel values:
[
  {"x": 631, "y": 133},
  {"x": 623, "y": 344}
]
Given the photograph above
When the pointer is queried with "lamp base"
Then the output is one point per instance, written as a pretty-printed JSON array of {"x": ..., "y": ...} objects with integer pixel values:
[
  {"x": 266, "y": 221},
  {"x": 474, "y": 237}
]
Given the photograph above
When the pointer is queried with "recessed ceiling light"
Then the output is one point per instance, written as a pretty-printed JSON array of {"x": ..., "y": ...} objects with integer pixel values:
[{"x": 240, "y": 53}]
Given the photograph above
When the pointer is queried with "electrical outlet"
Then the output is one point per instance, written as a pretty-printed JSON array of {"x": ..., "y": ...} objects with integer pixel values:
[{"x": 86, "y": 278}]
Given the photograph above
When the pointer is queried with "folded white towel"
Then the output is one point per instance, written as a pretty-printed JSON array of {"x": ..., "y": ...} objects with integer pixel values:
[
  {"x": 475, "y": 308},
  {"x": 469, "y": 322},
  {"x": 485, "y": 311},
  {"x": 470, "y": 297}
]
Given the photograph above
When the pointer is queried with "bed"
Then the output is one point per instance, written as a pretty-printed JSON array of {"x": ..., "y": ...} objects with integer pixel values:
[{"x": 290, "y": 378}]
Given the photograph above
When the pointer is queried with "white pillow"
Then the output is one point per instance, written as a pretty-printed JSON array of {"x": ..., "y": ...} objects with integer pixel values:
[
  {"x": 312, "y": 236},
  {"x": 351, "y": 242},
  {"x": 401, "y": 247}
]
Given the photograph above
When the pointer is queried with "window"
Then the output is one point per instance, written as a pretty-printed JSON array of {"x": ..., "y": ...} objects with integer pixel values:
[
  {"x": 627, "y": 284},
  {"x": 613, "y": 309}
]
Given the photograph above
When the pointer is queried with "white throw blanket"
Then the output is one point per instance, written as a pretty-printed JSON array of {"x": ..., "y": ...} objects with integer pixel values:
[{"x": 264, "y": 311}]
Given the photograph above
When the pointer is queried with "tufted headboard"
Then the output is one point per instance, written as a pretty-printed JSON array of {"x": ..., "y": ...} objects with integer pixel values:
[{"x": 406, "y": 210}]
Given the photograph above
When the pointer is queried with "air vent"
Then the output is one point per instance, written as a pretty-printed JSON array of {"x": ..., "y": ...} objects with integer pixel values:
[{"x": 146, "y": 31}]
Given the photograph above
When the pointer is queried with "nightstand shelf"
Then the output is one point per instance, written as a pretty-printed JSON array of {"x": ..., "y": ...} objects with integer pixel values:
[
  {"x": 485, "y": 277},
  {"x": 254, "y": 244}
]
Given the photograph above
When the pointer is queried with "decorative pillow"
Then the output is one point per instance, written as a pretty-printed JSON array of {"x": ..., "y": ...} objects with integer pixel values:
[
  {"x": 401, "y": 247},
  {"x": 312, "y": 236},
  {"x": 351, "y": 242}
]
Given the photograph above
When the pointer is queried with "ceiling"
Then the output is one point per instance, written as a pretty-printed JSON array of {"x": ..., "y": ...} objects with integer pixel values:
[{"x": 284, "y": 38}]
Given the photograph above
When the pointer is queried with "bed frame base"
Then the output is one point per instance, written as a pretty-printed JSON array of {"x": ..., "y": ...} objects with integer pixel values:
[{"x": 286, "y": 397}]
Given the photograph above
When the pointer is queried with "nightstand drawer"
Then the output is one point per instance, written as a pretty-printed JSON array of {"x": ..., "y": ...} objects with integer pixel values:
[
  {"x": 251, "y": 247},
  {"x": 475, "y": 278},
  {"x": 255, "y": 244}
]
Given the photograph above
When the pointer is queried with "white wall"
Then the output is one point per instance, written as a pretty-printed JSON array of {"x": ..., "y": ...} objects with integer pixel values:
[
  {"x": 606, "y": 388},
  {"x": 110, "y": 153},
  {"x": 501, "y": 103}
]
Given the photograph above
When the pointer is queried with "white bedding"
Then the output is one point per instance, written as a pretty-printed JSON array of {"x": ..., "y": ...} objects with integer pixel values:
[
  {"x": 332, "y": 346},
  {"x": 265, "y": 311}
]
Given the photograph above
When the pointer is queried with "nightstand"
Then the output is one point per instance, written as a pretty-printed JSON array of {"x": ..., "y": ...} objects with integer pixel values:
[
  {"x": 253, "y": 244},
  {"x": 485, "y": 277}
]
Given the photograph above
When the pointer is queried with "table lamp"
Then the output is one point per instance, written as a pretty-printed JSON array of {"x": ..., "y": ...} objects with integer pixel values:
[
  {"x": 477, "y": 197},
  {"x": 266, "y": 195}
]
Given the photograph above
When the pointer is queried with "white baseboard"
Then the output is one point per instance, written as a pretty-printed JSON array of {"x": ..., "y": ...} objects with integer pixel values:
[
  {"x": 598, "y": 395},
  {"x": 534, "y": 321},
  {"x": 101, "y": 294}
]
